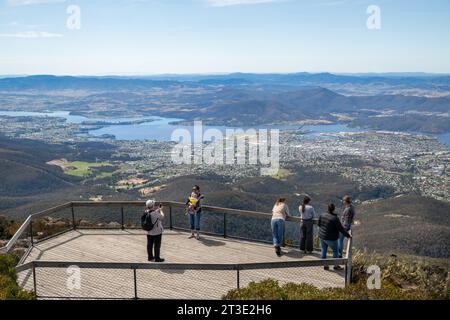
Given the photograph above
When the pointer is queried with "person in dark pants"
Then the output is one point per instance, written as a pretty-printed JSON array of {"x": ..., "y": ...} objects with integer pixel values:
[
  {"x": 329, "y": 229},
  {"x": 307, "y": 214},
  {"x": 347, "y": 219},
  {"x": 154, "y": 236}
]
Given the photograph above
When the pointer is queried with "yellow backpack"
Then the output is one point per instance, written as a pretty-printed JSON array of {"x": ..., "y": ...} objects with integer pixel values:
[{"x": 193, "y": 201}]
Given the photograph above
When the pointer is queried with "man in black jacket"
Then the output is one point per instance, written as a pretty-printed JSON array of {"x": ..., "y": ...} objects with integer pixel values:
[{"x": 330, "y": 227}]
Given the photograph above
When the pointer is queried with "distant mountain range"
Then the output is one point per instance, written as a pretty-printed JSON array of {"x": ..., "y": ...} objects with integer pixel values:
[
  {"x": 240, "y": 107},
  {"x": 302, "y": 78},
  {"x": 255, "y": 99},
  {"x": 48, "y": 82}
]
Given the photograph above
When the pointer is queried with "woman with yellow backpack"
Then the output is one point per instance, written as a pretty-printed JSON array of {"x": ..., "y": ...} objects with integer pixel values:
[{"x": 194, "y": 210}]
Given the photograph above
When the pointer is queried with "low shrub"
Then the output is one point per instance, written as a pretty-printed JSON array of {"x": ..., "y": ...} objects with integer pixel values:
[
  {"x": 7, "y": 228},
  {"x": 9, "y": 289},
  {"x": 401, "y": 279}
]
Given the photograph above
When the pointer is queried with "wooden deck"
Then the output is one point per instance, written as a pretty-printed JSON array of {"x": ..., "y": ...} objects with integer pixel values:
[{"x": 130, "y": 246}]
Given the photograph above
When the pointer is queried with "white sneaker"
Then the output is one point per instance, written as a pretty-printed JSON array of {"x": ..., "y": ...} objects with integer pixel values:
[{"x": 197, "y": 237}]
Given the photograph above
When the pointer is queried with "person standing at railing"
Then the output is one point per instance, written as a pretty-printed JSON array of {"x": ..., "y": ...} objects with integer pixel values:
[
  {"x": 279, "y": 213},
  {"x": 307, "y": 214},
  {"x": 194, "y": 211},
  {"x": 329, "y": 229},
  {"x": 347, "y": 218},
  {"x": 155, "y": 230}
]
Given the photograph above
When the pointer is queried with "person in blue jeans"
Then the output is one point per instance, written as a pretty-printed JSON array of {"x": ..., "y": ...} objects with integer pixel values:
[
  {"x": 329, "y": 229},
  {"x": 279, "y": 213},
  {"x": 347, "y": 218},
  {"x": 194, "y": 211}
]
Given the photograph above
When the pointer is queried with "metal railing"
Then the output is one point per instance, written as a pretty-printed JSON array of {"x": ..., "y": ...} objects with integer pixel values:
[
  {"x": 134, "y": 284},
  {"x": 27, "y": 226},
  {"x": 224, "y": 220}
]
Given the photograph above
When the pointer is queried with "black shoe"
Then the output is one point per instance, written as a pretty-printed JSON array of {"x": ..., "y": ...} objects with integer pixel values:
[
  {"x": 338, "y": 268},
  {"x": 159, "y": 260},
  {"x": 278, "y": 251},
  {"x": 326, "y": 268},
  {"x": 151, "y": 259}
]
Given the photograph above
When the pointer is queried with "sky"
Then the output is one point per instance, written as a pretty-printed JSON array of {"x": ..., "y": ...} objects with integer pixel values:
[{"x": 144, "y": 37}]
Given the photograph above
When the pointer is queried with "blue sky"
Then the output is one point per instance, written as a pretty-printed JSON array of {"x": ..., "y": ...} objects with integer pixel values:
[{"x": 215, "y": 36}]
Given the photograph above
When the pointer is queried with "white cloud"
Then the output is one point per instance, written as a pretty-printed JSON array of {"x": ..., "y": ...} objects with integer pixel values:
[
  {"x": 28, "y": 2},
  {"x": 226, "y": 3},
  {"x": 30, "y": 34}
]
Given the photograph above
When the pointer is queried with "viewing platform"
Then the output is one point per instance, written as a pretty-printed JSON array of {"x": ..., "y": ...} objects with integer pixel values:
[{"x": 107, "y": 259}]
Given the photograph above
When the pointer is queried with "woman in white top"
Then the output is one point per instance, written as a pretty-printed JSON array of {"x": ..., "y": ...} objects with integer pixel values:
[
  {"x": 279, "y": 213},
  {"x": 307, "y": 214}
]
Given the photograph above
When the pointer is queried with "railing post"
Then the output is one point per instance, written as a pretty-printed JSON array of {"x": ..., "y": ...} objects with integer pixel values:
[
  {"x": 170, "y": 218},
  {"x": 31, "y": 233},
  {"x": 135, "y": 284},
  {"x": 74, "y": 226},
  {"x": 34, "y": 280},
  {"x": 238, "y": 278},
  {"x": 348, "y": 267},
  {"x": 122, "y": 218},
  {"x": 224, "y": 224}
]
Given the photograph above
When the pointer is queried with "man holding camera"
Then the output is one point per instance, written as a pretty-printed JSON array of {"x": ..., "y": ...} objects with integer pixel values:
[{"x": 152, "y": 220}]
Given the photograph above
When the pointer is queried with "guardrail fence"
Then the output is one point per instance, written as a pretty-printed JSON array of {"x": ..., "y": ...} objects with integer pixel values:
[{"x": 137, "y": 280}]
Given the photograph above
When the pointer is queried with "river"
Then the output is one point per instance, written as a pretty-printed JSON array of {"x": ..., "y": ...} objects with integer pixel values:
[{"x": 159, "y": 128}]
